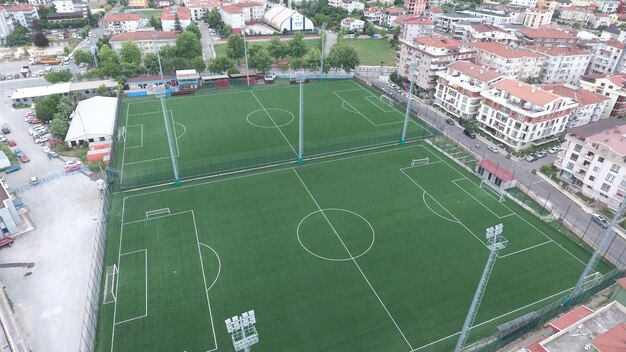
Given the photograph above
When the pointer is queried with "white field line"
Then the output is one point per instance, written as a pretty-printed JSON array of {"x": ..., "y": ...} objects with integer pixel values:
[
  {"x": 146, "y": 113},
  {"x": 434, "y": 212},
  {"x": 119, "y": 256},
  {"x": 146, "y": 282},
  {"x": 353, "y": 259},
  {"x": 124, "y": 149},
  {"x": 147, "y": 161},
  {"x": 479, "y": 202},
  {"x": 369, "y": 98},
  {"x": 157, "y": 217},
  {"x": 278, "y": 128},
  {"x": 219, "y": 265},
  {"x": 343, "y": 105},
  {"x": 140, "y": 133},
  {"x": 355, "y": 109},
  {"x": 157, "y": 212},
  {"x": 525, "y": 249},
  {"x": 420, "y": 165}
]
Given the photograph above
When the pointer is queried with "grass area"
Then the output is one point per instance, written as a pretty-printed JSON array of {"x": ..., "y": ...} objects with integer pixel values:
[
  {"x": 220, "y": 49},
  {"x": 147, "y": 13},
  {"x": 324, "y": 252},
  {"x": 374, "y": 51},
  {"x": 9, "y": 153},
  {"x": 584, "y": 198},
  {"x": 235, "y": 129}
]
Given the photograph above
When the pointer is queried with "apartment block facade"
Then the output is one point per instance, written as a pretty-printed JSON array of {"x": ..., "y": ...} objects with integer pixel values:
[
  {"x": 512, "y": 61},
  {"x": 562, "y": 64},
  {"x": 611, "y": 86}
]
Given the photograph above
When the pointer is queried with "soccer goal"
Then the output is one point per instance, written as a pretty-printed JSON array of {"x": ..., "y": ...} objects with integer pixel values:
[
  {"x": 121, "y": 134},
  {"x": 110, "y": 282},
  {"x": 499, "y": 193},
  {"x": 591, "y": 280},
  {"x": 418, "y": 162},
  {"x": 386, "y": 100}
]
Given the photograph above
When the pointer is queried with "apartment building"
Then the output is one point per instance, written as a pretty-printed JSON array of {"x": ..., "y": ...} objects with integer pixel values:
[
  {"x": 459, "y": 86},
  {"x": 608, "y": 58},
  {"x": 121, "y": 22},
  {"x": 429, "y": 55},
  {"x": 490, "y": 16},
  {"x": 524, "y": 3},
  {"x": 348, "y": 5},
  {"x": 352, "y": 24},
  {"x": 199, "y": 8},
  {"x": 6, "y": 26},
  {"x": 611, "y": 86},
  {"x": 594, "y": 160},
  {"x": 546, "y": 37},
  {"x": 575, "y": 14},
  {"x": 415, "y": 27},
  {"x": 599, "y": 19},
  {"x": 415, "y": 7},
  {"x": 606, "y": 6},
  {"x": 488, "y": 33},
  {"x": 147, "y": 41},
  {"x": 562, "y": 64},
  {"x": 138, "y": 3},
  {"x": 536, "y": 17},
  {"x": 372, "y": 14},
  {"x": 389, "y": 15},
  {"x": 590, "y": 105},
  {"x": 512, "y": 61},
  {"x": 22, "y": 14},
  {"x": 521, "y": 115},
  {"x": 168, "y": 18},
  {"x": 433, "y": 13},
  {"x": 446, "y": 21}
]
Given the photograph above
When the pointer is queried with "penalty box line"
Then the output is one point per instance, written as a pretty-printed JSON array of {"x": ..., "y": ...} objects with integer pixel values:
[
  {"x": 140, "y": 133},
  {"x": 145, "y": 251}
]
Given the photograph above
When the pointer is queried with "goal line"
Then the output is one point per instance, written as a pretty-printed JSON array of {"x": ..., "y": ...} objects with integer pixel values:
[
  {"x": 110, "y": 281},
  {"x": 488, "y": 185},
  {"x": 422, "y": 161}
]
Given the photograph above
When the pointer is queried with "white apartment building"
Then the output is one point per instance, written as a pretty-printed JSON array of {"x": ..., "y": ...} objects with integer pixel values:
[
  {"x": 608, "y": 58},
  {"x": 415, "y": 27},
  {"x": 459, "y": 86},
  {"x": 6, "y": 26},
  {"x": 389, "y": 15},
  {"x": 429, "y": 55},
  {"x": 39, "y": 2},
  {"x": 145, "y": 40},
  {"x": 433, "y": 13},
  {"x": 599, "y": 19},
  {"x": 607, "y": 6},
  {"x": 562, "y": 64},
  {"x": 373, "y": 14},
  {"x": 446, "y": 21},
  {"x": 352, "y": 24},
  {"x": 168, "y": 17},
  {"x": 524, "y": 3},
  {"x": 512, "y": 61},
  {"x": 595, "y": 161},
  {"x": 575, "y": 14},
  {"x": 613, "y": 87},
  {"x": 22, "y": 14},
  {"x": 199, "y": 8},
  {"x": 488, "y": 33},
  {"x": 495, "y": 17},
  {"x": 590, "y": 105},
  {"x": 521, "y": 115},
  {"x": 121, "y": 22},
  {"x": 348, "y": 5},
  {"x": 68, "y": 6},
  {"x": 536, "y": 17}
]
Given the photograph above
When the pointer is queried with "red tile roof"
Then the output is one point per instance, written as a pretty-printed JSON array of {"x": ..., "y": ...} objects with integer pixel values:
[
  {"x": 546, "y": 33},
  {"x": 121, "y": 17},
  {"x": 497, "y": 170},
  {"x": 536, "y": 347},
  {"x": 558, "y": 50},
  {"x": 622, "y": 282},
  {"x": 483, "y": 28},
  {"x": 475, "y": 71},
  {"x": 582, "y": 96},
  {"x": 438, "y": 41},
  {"x": 528, "y": 92},
  {"x": 413, "y": 20},
  {"x": 19, "y": 8},
  {"x": 570, "y": 318},
  {"x": 619, "y": 80},
  {"x": 614, "y": 340},
  {"x": 148, "y": 78},
  {"x": 232, "y": 9},
  {"x": 616, "y": 44},
  {"x": 504, "y": 50},
  {"x": 143, "y": 35},
  {"x": 169, "y": 13},
  {"x": 436, "y": 10},
  {"x": 395, "y": 10}
]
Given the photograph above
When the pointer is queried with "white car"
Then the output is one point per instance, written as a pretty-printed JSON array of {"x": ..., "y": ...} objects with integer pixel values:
[
  {"x": 42, "y": 139},
  {"x": 72, "y": 163},
  {"x": 45, "y": 149},
  {"x": 493, "y": 149},
  {"x": 554, "y": 150}
]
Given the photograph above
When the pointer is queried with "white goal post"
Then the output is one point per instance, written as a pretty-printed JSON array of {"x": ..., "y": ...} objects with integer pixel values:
[
  {"x": 121, "y": 134},
  {"x": 417, "y": 162},
  {"x": 386, "y": 99},
  {"x": 110, "y": 283},
  {"x": 495, "y": 189}
]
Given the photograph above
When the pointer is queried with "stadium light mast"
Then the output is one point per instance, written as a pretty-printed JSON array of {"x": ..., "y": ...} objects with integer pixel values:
[
  {"x": 162, "y": 92},
  {"x": 245, "y": 52},
  {"x": 409, "y": 98},
  {"x": 323, "y": 34},
  {"x": 596, "y": 254},
  {"x": 242, "y": 330},
  {"x": 495, "y": 242},
  {"x": 300, "y": 77}
]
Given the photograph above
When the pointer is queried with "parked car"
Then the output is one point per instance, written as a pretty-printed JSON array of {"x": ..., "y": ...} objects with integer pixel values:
[
  {"x": 42, "y": 139},
  {"x": 6, "y": 242},
  {"x": 72, "y": 163},
  {"x": 72, "y": 168},
  {"x": 600, "y": 220},
  {"x": 493, "y": 148},
  {"x": 469, "y": 133},
  {"x": 34, "y": 181},
  {"x": 53, "y": 154},
  {"x": 11, "y": 143},
  {"x": 24, "y": 158},
  {"x": 36, "y": 121},
  {"x": 450, "y": 121},
  {"x": 5, "y": 130},
  {"x": 554, "y": 150},
  {"x": 12, "y": 169},
  {"x": 3, "y": 138},
  {"x": 531, "y": 157},
  {"x": 45, "y": 149},
  {"x": 17, "y": 151},
  {"x": 541, "y": 155}
]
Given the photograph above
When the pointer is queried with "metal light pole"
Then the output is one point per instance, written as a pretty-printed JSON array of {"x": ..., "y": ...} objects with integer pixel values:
[
  {"x": 409, "y": 98},
  {"x": 301, "y": 78},
  {"x": 323, "y": 34},
  {"x": 245, "y": 51},
  {"x": 242, "y": 330},
  {"x": 495, "y": 243},
  {"x": 162, "y": 92}
]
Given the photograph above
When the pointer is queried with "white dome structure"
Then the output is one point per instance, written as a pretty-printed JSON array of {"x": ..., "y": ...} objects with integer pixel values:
[{"x": 281, "y": 18}]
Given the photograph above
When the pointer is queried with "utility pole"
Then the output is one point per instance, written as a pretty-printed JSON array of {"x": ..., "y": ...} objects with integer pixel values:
[
  {"x": 300, "y": 78},
  {"x": 245, "y": 51},
  {"x": 322, "y": 36},
  {"x": 409, "y": 98}
]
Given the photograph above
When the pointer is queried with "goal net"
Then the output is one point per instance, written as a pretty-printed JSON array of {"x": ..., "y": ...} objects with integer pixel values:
[
  {"x": 386, "y": 100},
  {"x": 500, "y": 194},
  {"x": 417, "y": 162},
  {"x": 591, "y": 280},
  {"x": 110, "y": 282},
  {"x": 121, "y": 134}
]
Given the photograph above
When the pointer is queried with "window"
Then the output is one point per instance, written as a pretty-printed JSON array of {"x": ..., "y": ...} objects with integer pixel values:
[
  {"x": 615, "y": 168},
  {"x": 596, "y": 168},
  {"x": 610, "y": 178},
  {"x": 573, "y": 157},
  {"x": 570, "y": 166},
  {"x": 605, "y": 187},
  {"x": 591, "y": 178},
  {"x": 600, "y": 159},
  {"x": 578, "y": 148}
]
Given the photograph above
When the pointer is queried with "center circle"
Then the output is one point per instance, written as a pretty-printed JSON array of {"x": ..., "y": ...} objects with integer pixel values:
[
  {"x": 270, "y": 118},
  {"x": 335, "y": 234}
]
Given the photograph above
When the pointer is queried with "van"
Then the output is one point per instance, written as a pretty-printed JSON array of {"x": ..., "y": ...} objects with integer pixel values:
[
  {"x": 469, "y": 133},
  {"x": 48, "y": 69}
]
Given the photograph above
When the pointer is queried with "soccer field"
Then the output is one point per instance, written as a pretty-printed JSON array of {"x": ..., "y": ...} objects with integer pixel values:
[
  {"x": 359, "y": 252},
  {"x": 236, "y": 129}
]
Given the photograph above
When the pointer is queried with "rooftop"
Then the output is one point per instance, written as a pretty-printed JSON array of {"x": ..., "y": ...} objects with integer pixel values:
[
  {"x": 594, "y": 128},
  {"x": 93, "y": 117},
  {"x": 616, "y": 44},
  {"x": 614, "y": 340},
  {"x": 121, "y": 17},
  {"x": 527, "y": 92},
  {"x": 484, "y": 28},
  {"x": 438, "y": 41},
  {"x": 582, "y": 96},
  {"x": 414, "y": 20},
  {"x": 143, "y": 35},
  {"x": 169, "y": 13},
  {"x": 232, "y": 9},
  {"x": 621, "y": 282},
  {"x": 569, "y": 318},
  {"x": 19, "y": 8},
  {"x": 615, "y": 139},
  {"x": 559, "y": 50},
  {"x": 149, "y": 78},
  {"x": 435, "y": 10},
  {"x": 458, "y": 15},
  {"x": 497, "y": 170},
  {"x": 488, "y": 12},
  {"x": 475, "y": 71},
  {"x": 504, "y": 50},
  {"x": 204, "y": 4},
  {"x": 546, "y": 33}
]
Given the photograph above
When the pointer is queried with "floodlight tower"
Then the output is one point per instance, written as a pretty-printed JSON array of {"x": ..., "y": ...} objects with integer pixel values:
[
  {"x": 245, "y": 52},
  {"x": 409, "y": 98},
  {"x": 323, "y": 34},
  {"x": 596, "y": 254},
  {"x": 242, "y": 330},
  {"x": 300, "y": 77},
  {"x": 162, "y": 92},
  {"x": 495, "y": 242}
]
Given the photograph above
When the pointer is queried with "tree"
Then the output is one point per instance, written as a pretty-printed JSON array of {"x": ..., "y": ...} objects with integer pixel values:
[
  {"x": 296, "y": 63},
  {"x": 19, "y": 37},
  {"x": 83, "y": 56},
  {"x": 59, "y": 126},
  {"x": 276, "y": 49},
  {"x": 370, "y": 29},
  {"x": 46, "y": 107},
  {"x": 130, "y": 53},
  {"x": 108, "y": 63},
  {"x": 177, "y": 25},
  {"x": 156, "y": 23},
  {"x": 85, "y": 32},
  {"x": 213, "y": 18},
  {"x": 235, "y": 48},
  {"x": 103, "y": 91},
  {"x": 297, "y": 48},
  {"x": 193, "y": 28},
  {"x": 343, "y": 57},
  {"x": 150, "y": 61},
  {"x": 188, "y": 45},
  {"x": 261, "y": 60},
  {"x": 312, "y": 60},
  {"x": 221, "y": 64},
  {"x": 56, "y": 77},
  {"x": 225, "y": 31},
  {"x": 103, "y": 41},
  {"x": 576, "y": 25},
  {"x": 65, "y": 106}
]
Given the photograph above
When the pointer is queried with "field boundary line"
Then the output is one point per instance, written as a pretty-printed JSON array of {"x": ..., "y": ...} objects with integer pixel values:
[
  {"x": 219, "y": 264},
  {"x": 369, "y": 98},
  {"x": 353, "y": 259},
  {"x": 147, "y": 161},
  {"x": 271, "y": 118},
  {"x": 119, "y": 257},
  {"x": 140, "y": 133},
  {"x": 124, "y": 149},
  {"x": 525, "y": 249},
  {"x": 481, "y": 203},
  {"x": 146, "y": 283},
  {"x": 145, "y": 113}
]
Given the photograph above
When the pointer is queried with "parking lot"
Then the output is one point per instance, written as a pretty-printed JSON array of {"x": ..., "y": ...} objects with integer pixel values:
[{"x": 49, "y": 297}]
